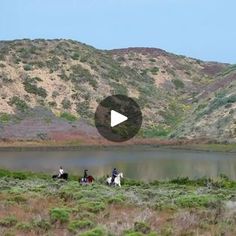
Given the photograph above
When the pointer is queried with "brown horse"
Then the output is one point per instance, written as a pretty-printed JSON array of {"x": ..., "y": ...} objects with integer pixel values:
[{"x": 88, "y": 180}]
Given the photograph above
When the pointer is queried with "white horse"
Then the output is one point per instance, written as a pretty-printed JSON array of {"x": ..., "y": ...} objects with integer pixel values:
[{"x": 117, "y": 180}]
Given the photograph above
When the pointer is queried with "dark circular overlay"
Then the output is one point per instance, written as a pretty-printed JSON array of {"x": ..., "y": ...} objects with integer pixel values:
[{"x": 125, "y": 106}]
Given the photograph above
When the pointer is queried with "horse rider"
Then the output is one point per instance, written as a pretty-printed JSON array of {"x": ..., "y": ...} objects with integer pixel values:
[
  {"x": 114, "y": 175},
  {"x": 85, "y": 176},
  {"x": 61, "y": 172}
]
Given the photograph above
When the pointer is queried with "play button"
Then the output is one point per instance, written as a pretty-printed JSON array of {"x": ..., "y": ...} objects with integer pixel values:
[{"x": 118, "y": 118}]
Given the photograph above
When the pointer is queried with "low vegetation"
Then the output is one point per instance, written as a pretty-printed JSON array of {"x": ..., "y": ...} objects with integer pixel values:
[{"x": 183, "y": 206}]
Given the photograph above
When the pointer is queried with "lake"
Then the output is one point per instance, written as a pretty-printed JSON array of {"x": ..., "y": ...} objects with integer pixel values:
[{"x": 147, "y": 164}]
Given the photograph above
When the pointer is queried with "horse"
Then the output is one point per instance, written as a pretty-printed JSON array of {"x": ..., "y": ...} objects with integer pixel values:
[
  {"x": 88, "y": 180},
  {"x": 63, "y": 176},
  {"x": 117, "y": 180}
]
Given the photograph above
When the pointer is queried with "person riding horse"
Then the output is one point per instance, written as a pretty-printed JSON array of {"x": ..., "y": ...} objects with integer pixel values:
[
  {"x": 114, "y": 175},
  {"x": 85, "y": 176},
  {"x": 87, "y": 179},
  {"x": 61, "y": 172}
]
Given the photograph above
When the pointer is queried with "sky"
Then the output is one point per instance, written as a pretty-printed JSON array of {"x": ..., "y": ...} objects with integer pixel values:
[{"x": 204, "y": 29}]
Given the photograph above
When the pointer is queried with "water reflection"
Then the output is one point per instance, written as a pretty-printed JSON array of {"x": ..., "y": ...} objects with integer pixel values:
[{"x": 145, "y": 165}]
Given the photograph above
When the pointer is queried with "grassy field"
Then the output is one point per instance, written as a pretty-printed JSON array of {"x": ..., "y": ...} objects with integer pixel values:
[{"x": 34, "y": 204}]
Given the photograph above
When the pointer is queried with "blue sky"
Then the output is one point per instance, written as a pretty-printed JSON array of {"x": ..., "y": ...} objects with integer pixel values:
[{"x": 204, "y": 29}]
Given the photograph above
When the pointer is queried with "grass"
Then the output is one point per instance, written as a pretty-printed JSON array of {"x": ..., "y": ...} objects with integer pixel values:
[
  {"x": 34, "y": 203},
  {"x": 4, "y": 118},
  {"x": 67, "y": 116}
]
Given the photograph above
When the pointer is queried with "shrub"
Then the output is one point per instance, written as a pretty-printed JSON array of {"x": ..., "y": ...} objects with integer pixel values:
[
  {"x": 80, "y": 224},
  {"x": 53, "y": 64},
  {"x": 154, "y": 70},
  {"x": 94, "y": 232},
  {"x": 42, "y": 224},
  {"x": 59, "y": 214},
  {"x": 24, "y": 226},
  {"x": 83, "y": 109},
  {"x": 94, "y": 207},
  {"x": 9, "y": 221},
  {"x": 178, "y": 83},
  {"x": 66, "y": 104},
  {"x": 156, "y": 131},
  {"x": 75, "y": 56},
  {"x": 142, "y": 227},
  {"x": 52, "y": 104},
  {"x": 68, "y": 116},
  {"x": 116, "y": 200},
  {"x": 152, "y": 60},
  {"x": 219, "y": 101},
  {"x": 18, "y": 199},
  {"x": 27, "y": 67},
  {"x": 31, "y": 87},
  {"x": 132, "y": 233},
  {"x": 4, "y": 118},
  {"x": 20, "y": 104},
  {"x": 195, "y": 200},
  {"x": 118, "y": 88}
]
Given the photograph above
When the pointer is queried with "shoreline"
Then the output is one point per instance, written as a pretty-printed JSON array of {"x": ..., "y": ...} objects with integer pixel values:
[{"x": 135, "y": 144}]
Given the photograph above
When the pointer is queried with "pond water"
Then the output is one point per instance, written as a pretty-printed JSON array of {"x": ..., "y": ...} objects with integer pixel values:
[{"x": 141, "y": 164}]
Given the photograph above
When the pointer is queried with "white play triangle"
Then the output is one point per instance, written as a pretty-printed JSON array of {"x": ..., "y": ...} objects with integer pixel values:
[{"x": 117, "y": 118}]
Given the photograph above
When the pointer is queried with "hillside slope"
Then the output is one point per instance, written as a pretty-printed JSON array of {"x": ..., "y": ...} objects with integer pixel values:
[{"x": 55, "y": 85}]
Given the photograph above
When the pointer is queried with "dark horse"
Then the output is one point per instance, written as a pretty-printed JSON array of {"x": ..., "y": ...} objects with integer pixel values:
[
  {"x": 63, "y": 176},
  {"x": 87, "y": 180}
]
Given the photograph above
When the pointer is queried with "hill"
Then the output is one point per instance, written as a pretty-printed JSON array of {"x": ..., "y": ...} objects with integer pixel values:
[{"x": 51, "y": 88}]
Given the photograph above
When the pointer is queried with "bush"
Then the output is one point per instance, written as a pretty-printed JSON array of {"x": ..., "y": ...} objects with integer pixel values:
[
  {"x": 154, "y": 70},
  {"x": 20, "y": 104},
  {"x": 178, "y": 83},
  {"x": 142, "y": 227},
  {"x": 83, "y": 109},
  {"x": 118, "y": 88},
  {"x": 80, "y": 224},
  {"x": 42, "y": 225},
  {"x": 68, "y": 116},
  {"x": 59, "y": 214},
  {"x": 152, "y": 60},
  {"x": 94, "y": 207},
  {"x": 94, "y": 232},
  {"x": 4, "y": 118},
  {"x": 132, "y": 233},
  {"x": 156, "y": 131},
  {"x": 75, "y": 56},
  {"x": 24, "y": 226},
  {"x": 31, "y": 87},
  {"x": 27, "y": 67},
  {"x": 219, "y": 101},
  {"x": 9, "y": 221},
  {"x": 66, "y": 104},
  {"x": 191, "y": 200}
]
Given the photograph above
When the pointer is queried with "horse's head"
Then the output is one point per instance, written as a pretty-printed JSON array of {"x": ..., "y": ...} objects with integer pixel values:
[{"x": 121, "y": 175}]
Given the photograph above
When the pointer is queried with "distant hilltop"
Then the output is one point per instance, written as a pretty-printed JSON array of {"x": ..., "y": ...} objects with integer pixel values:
[{"x": 51, "y": 88}]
